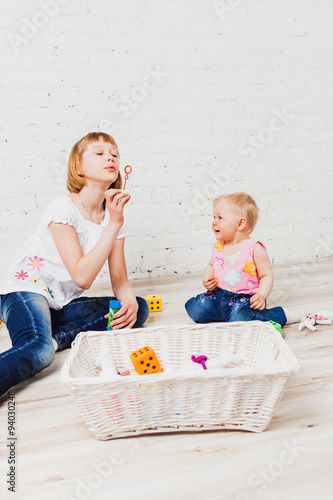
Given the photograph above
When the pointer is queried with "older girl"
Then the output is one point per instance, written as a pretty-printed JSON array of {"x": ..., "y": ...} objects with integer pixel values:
[{"x": 79, "y": 231}]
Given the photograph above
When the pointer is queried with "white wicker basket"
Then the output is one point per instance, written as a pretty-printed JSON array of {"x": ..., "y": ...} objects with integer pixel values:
[{"x": 242, "y": 398}]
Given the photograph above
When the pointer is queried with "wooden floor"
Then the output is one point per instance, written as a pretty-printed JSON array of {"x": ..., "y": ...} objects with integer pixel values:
[{"x": 58, "y": 457}]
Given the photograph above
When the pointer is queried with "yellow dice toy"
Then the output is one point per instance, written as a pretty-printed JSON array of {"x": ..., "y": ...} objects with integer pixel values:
[
  {"x": 145, "y": 361},
  {"x": 154, "y": 303}
]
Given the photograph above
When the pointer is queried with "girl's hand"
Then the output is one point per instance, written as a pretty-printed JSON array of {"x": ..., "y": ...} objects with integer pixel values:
[
  {"x": 125, "y": 317},
  {"x": 210, "y": 283},
  {"x": 258, "y": 301},
  {"x": 115, "y": 200}
]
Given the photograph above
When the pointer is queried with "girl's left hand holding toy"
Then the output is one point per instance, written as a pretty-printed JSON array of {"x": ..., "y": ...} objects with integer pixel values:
[
  {"x": 125, "y": 317},
  {"x": 257, "y": 301}
]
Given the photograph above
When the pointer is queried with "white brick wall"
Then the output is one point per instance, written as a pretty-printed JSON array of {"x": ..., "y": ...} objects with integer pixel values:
[{"x": 192, "y": 91}]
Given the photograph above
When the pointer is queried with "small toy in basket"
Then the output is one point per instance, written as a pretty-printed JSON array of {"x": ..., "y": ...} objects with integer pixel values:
[
  {"x": 228, "y": 360},
  {"x": 145, "y": 361}
]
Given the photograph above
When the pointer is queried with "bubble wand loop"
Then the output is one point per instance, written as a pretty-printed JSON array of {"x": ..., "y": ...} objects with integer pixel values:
[{"x": 127, "y": 170}]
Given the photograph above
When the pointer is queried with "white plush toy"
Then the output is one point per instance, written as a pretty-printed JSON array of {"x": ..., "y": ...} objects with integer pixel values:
[
  {"x": 106, "y": 362},
  {"x": 107, "y": 365},
  {"x": 327, "y": 315},
  {"x": 311, "y": 319}
]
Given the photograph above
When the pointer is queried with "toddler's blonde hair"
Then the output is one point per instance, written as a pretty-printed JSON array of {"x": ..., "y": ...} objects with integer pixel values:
[
  {"x": 244, "y": 206},
  {"x": 75, "y": 180}
]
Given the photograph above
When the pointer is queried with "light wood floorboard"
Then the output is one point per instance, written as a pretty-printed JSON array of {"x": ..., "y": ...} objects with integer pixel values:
[{"x": 59, "y": 459}]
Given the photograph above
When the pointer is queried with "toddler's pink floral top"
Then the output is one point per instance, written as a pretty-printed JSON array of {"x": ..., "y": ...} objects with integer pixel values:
[{"x": 236, "y": 273}]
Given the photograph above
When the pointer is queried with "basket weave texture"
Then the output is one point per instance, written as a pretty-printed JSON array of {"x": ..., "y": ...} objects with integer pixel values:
[{"x": 243, "y": 398}]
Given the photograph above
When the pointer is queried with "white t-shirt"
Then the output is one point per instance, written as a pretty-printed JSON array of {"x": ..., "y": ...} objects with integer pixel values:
[{"x": 38, "y": 267}]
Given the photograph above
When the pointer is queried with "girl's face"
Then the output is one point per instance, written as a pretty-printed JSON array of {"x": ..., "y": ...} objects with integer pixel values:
[
  {"x": 100, "y": 162},
  {"x": 225, "y": 221}
]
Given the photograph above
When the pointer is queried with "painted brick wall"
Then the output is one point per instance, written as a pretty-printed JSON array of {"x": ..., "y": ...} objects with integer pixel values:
[{"x": 203, "y": 97}]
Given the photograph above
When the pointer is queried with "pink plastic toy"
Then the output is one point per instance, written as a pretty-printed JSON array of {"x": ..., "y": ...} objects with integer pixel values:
[
  {"x": 127, "y": 170},
  {"x": 201, "y": 360},
  {"x": 229, "y": 360}
]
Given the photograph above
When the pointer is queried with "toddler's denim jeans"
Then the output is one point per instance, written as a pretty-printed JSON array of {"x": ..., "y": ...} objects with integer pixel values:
[
  {"x": 221, "y": 305},
  {"x": 31, "y": 324}
]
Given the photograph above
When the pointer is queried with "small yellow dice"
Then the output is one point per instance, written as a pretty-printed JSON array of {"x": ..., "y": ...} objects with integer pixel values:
[
  {"x": 145, "y": 361},
  {"x": 154, "y": 303}
]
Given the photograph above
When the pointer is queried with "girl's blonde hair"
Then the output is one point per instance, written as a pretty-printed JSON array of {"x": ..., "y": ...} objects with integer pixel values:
[
  {"x": 244, "y": 206},
  {"x": 75, "y": 180}
]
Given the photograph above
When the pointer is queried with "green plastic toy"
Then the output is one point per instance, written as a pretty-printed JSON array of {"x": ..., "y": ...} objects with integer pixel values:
[
  {"x": 277, "y": 326},
  {"x": 114, "y": 306}
]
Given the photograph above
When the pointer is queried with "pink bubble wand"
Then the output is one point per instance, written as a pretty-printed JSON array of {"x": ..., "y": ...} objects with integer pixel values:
[{"x": 127, "y": 170}]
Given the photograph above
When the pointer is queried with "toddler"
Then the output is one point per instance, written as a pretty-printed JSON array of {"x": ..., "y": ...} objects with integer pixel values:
[{"x": 239, "y": 275}]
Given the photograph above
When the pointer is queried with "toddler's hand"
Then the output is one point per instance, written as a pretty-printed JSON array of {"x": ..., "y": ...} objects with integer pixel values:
[
  {"x": 258, "y": 301},
  {"x": 210, "y": 283}
]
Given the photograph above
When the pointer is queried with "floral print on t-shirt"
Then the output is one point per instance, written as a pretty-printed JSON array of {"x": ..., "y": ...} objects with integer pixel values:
[
  {"x": 236, "y": 273},
  {"x": 250, "y": 268},
  {"x": 30, "y": 274}
]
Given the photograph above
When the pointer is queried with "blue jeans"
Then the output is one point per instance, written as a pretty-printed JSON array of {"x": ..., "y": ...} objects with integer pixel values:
[
  {"x": 221, "y": 305},
  {"x": 31, "y": 324}
]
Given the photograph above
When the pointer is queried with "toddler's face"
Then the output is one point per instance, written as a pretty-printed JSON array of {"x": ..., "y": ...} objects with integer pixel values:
[{"x": 225, "y": 221}]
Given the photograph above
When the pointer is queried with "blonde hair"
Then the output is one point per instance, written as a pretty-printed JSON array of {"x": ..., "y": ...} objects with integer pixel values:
[
  {"x": 244, "y": 205},
  {"x": 75, "y": 180}
]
